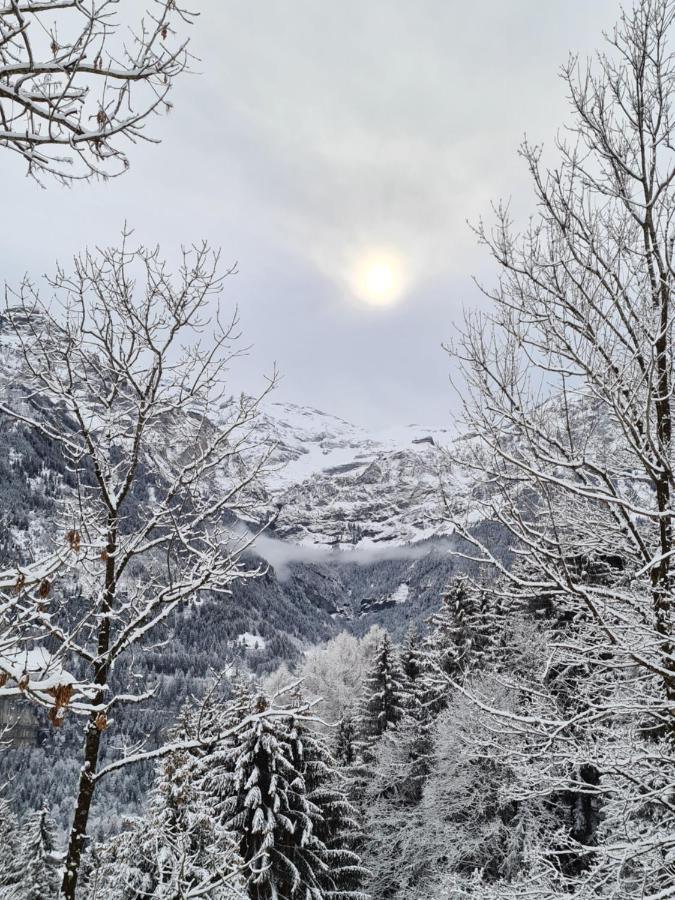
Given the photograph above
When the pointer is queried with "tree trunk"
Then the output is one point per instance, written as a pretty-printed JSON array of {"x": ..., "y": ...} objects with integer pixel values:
[
  {"x": 85, "y": 795},
  {"x": 92, "y": 739}
]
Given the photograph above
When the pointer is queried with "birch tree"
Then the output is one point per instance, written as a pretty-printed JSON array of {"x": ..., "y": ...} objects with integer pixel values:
[
  {"x": 570, "y": 401},
  {"x": 75, "y": 85},
  {"x": 124, "y": 368}
]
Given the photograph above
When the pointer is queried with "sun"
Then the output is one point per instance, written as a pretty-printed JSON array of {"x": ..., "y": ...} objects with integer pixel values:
[{"x": 378, "y": 280}]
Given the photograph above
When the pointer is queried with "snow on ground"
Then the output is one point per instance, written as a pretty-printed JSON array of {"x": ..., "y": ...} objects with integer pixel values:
[
  {"x": 310, "y": 441},
  {"x": 400, "y": 595},
  {"x": 251, "y": 641}
]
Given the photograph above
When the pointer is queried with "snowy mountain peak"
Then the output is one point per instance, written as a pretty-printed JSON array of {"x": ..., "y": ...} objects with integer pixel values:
[{"x": 337, "y": 484}]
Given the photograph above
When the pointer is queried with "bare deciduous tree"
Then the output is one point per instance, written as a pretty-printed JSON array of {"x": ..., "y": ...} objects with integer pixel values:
[
  {"x": 73, "y": 84},
  {"x": 124, "y": 369},
  {"x": 571, "y": 383}
]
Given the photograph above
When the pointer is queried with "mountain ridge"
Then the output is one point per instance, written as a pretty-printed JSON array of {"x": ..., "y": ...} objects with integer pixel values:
[{"x": 338, "y": 484}]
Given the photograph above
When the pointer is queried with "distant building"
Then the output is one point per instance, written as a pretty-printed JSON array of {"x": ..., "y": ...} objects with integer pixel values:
[{"x": 19, "y": 725}]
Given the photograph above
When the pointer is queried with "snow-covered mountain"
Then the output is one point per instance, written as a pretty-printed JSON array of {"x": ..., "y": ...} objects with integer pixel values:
[
  {"x": 332, "y": 483},
  {"x": 371, "y": 494},
  {"x": 338, "y": 484}
]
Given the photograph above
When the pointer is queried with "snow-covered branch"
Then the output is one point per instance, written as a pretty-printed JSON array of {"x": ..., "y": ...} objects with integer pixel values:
[{"x": 72, "y": 85}]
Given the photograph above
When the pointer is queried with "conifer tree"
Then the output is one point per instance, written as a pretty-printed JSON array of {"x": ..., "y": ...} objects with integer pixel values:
[
  {"x": 385, "y": 698},
  {"x": 452, "y": 632},
  {"x": 271, "y": 785},
  {"x": 336, "y": 826},
  {"x": 10, "y": 861},
  {"x": 39, "y": 862},
  {"x": 413, "y": 666},
  {"x": 464, "y": 638},
  {"x": 345, "y": 743},
  {"x": 411, "y": 655}
]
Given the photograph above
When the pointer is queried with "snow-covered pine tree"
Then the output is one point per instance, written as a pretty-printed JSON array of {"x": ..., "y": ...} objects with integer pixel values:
[
  {"x": 464, "y": 637},
  {"x": 384, "y": 700},
  {"x": 412, "y": 661},
  {"x": 388, "y": 784},
  {"x": 413, "y": 665},
  {"x": 336, "y": 826},
  {"x": 271, "y": 785},
  {"x": 39, "y": 862},
  {"x": 10, "y": 843},
  {"x": 177, "y": 850},
  {"x": 345, "y": 741},
  {"x": 259, "y": 794},
  {"x": 382, "y": 710},
  {"x": 457, "y": 627}
]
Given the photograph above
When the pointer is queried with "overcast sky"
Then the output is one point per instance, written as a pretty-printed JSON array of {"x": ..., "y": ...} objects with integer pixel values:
[{"x": 313, "y": 135}]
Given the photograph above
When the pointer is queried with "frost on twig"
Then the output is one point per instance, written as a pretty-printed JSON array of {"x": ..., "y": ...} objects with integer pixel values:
[{"x": 76, "y": 83}]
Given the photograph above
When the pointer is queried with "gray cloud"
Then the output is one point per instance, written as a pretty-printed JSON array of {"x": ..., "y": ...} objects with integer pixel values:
[
  {"x": 282, "y": 554},
  {"x": 314, "y": 132}
]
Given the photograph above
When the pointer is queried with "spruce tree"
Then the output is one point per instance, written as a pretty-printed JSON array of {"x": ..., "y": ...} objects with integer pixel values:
[
  {"x": 336, "y": 828},
  {"x": 465, "y": 637},
  {"x": 413, "y": 666},
  {"x": 10, "y": 844},
  {"x": 385, "y": 699},
  {"x": 345, "y": 742},
  {"x": 271, "y": 784},
  {"x": 412, "y": 661},
  {"x": 451, "y": 637},
  {"x": 39, "y": 864}
]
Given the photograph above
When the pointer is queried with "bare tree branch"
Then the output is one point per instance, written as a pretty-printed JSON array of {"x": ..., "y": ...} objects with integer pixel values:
[{"x": 73, "y": 84}]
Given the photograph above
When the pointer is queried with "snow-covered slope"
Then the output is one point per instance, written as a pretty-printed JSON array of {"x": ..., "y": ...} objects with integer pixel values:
[{"x": 335, "y": 483}]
